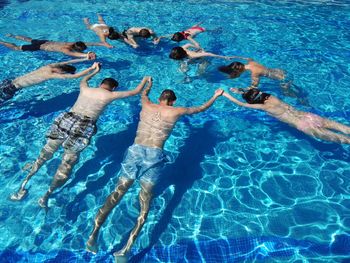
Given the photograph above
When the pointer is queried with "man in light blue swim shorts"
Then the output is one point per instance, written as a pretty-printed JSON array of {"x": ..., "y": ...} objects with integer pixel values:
[{"x": 145, "y": 159}]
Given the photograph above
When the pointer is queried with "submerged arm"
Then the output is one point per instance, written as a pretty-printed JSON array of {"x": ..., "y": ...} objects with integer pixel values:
[
  {"x": 76, "y": 75},
  {"x": 203, "y": 107},
  {"x": 236, "y": 101},
  {"x": 144, "y": 97},
  {"x": 84, "y": 82},
  {"x": 72, "y": 61},
  {"x": 194, "y": 42}
]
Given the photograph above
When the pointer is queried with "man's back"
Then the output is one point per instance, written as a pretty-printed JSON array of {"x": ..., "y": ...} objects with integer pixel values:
[
  {"x": 156, "y": 124},
  {"x": 91, "y": 102}
]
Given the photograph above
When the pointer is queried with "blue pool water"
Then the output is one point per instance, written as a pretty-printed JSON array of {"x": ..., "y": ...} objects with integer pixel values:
[{"x": 241, "y": 187}]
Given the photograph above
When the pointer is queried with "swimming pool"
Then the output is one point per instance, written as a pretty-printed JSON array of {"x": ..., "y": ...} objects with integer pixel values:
[{"x": 241, "y": 187}]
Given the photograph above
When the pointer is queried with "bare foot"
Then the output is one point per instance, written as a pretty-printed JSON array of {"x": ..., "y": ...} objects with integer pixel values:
[
  {"x": 121, "y": 257},
  {"x": 20, "y": 195},
  {"x": 43, "y": 203},
  {"x": 91, "y": 246}
]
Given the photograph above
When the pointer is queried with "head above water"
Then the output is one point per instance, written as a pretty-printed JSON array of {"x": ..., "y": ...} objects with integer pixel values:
[
  {"x": 79, "y": 46},
  {"x": 145, "y": 33},
  {"x": 255, "y": 96},
  {"x": 168, "y": 96},
  {"x": 177, "y": 37},
  {"x": 235, "y": 69},
  {"x": 109, "y": 84},
  {"x": 112, "y": 34},
  {"x": 178, "y": 53},
  {"x": 66, "y": 69}
]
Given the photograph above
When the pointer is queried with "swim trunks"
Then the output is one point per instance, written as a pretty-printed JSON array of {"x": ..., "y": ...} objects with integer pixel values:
[
  {"x": 75, "y": 130},
  {"x": 7, "y": 90},
  {"x": 143, "y": 162},
  {"x": 34, "y": 46}
]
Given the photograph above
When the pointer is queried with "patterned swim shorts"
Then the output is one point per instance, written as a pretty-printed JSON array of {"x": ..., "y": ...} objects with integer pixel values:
[{"x": 75, "y": 130}]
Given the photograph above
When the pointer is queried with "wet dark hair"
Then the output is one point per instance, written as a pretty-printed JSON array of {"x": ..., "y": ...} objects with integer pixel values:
[
  {"x": 145, "y": 33},
  {"x": 235, "y": 69},
  {"x": 167, "y": 95},
  {"x": 255, "y": 96},
  {"x": 112, "y": 83},
  {"x": 67, "y": 68},
  {"x": 79, "y": 46},
  {"x": 177, "y": 37},
  {"x": 178, "y": 53},
  {"x": 112, "y": 34}
]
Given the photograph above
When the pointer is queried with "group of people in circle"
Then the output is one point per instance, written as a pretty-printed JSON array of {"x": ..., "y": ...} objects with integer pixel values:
[{"x": 145, "y": 159}]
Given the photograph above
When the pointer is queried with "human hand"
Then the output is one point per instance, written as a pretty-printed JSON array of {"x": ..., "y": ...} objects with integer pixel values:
[
  {"x": 218, "y": 93},
  {"x": 236, "y": 90},
  {"x": 156, "y": 40}
]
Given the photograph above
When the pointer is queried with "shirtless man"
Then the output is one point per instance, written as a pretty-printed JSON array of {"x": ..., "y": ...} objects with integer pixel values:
[
  {"x": 187, "y": 34},
  {"x": 102, "y": 30},
  {"x": 145, "y": 159},
  {"x": 61, "y": 70},
  {"x": 307, "y": 122},
  {"x": 235, "y": 69},
  {"x": 73, "y": 49},
  {"x": 133, "y": 32},
  {"x": 73, "y": 130}
]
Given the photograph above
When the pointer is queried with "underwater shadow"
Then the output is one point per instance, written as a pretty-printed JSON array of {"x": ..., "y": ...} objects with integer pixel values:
[
  {"x": 182, "y": 174},
  {"x": 39, "y": 108}
]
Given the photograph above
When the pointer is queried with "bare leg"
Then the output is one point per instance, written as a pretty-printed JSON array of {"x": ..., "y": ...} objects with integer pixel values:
[
  {"x": 87, "y": 23},
  {"x": 100, "y": 19},
  {"x": 145, "y": 198},
  {"x": 23, "y": 38},
  {"x": 69, "y": 159},
  {"x": 333, "y": 125},
  {"x": 11, "y": 46},
  {"x": 328, "y": 135},
  {"x": 112, "y": 200},
  {"x": 46, "y": 154}
]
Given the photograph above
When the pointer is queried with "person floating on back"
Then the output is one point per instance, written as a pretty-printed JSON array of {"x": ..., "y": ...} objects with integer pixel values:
[
  {"x": 73, "y": 49},
  {"x": 73, "y": 130},
  {"x": 103, "y": 31},
  {"x": 187, "y": 34},
  {"x": 60, "y": 70},
  {"x": 306, "y": 122},
  {"x": 145, "y": 159}
]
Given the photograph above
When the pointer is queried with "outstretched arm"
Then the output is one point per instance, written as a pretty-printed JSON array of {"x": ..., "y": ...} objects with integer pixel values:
[
  {"x": 74, "y": 54},
  {"x": 130, "y": 41},
  {"x": 84, "y": 82},
  {"x": 156, "y": 40},
  {"x": 72, "y": 61},
  {"x": 137, "y": 90},
  {"x": 205, "y": 106},
  {"x": 194, "y": 42},
  {"x": 76, "y": 75},
  {"x": 100, "y": 19},
  {"x": 145, "y": 92},
  {"x": 236, "y": 101}
]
